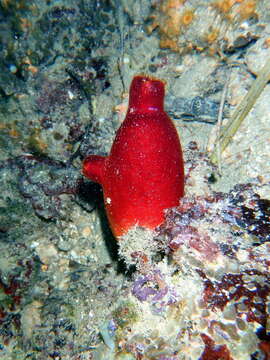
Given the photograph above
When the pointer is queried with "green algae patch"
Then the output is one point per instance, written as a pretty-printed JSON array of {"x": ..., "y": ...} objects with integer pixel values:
[{"x": 126, "y": 314}]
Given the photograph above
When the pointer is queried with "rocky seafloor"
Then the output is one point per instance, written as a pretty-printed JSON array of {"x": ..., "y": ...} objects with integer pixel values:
[{"x": 196, "y": 288}]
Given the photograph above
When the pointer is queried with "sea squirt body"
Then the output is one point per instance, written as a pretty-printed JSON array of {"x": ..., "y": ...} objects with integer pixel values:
[{"x": 144, "y": 172}]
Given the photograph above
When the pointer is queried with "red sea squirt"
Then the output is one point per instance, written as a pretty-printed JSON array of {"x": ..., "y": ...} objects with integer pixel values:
[{"x": 144, "y": 172}]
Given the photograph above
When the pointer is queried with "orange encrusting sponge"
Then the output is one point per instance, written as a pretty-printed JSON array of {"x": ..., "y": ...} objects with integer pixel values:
[{"x": 144, "y": 173}]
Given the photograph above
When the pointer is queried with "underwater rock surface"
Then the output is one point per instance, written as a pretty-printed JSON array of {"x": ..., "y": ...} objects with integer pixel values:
[{"x": 196, "y": 288}]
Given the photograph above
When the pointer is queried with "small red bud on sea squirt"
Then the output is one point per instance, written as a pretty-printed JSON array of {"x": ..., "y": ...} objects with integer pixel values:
[{"x": 144, "y": 172}]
